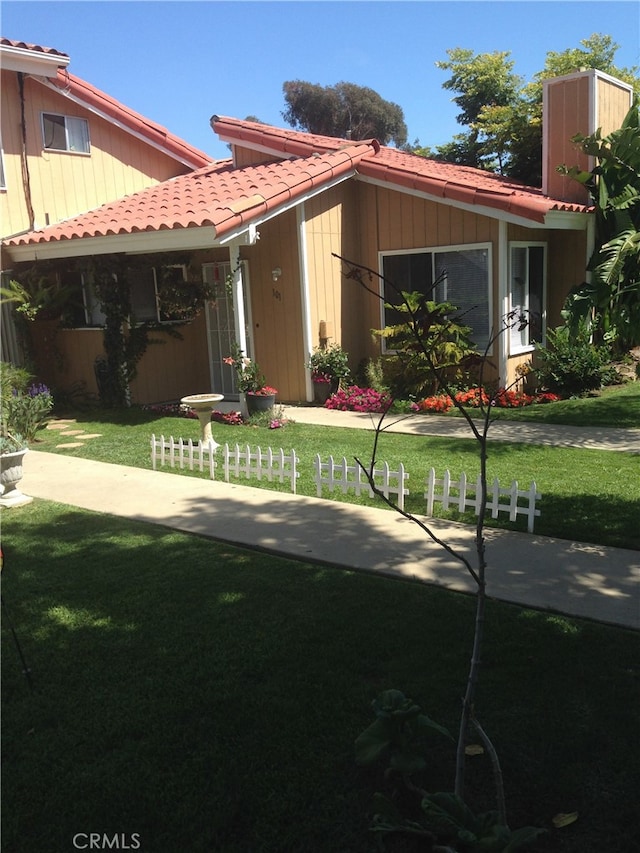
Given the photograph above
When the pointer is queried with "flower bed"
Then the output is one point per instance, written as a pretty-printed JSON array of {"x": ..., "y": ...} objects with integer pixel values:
[
  {"x": 476, "y": 397},
  {"x": 356, "y": 399}
]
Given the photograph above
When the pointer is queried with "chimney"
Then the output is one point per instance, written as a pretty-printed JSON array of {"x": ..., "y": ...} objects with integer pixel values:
[{"x": 577, "y": 103}]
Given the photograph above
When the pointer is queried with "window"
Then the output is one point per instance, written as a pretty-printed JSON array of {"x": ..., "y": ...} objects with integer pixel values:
[
  {"x": 145, "y": 287},
  {"x": 456, "y": 274},
  {"x": 63, "y": 133},
  {"x": 144, "y": 302},
  {"x": 526, "y": 290}
]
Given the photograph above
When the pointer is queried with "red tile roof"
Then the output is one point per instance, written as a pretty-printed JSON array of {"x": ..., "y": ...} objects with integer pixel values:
[
  {"x": 36, "y": 48},
  {"x": 398, "y": 168},
  {"x": 220, "y": 196}
]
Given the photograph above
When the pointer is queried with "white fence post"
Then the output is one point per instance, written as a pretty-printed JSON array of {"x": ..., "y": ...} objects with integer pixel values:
[{"x": 494, "y": 492}]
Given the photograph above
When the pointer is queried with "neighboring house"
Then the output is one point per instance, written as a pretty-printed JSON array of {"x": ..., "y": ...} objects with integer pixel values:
[
  {"x": 67, "y": 148},
  {"x": 271, "y": 221}
]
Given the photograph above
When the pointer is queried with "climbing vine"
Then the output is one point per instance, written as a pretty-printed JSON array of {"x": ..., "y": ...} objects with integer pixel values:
[{"x": 38, "y": 293}]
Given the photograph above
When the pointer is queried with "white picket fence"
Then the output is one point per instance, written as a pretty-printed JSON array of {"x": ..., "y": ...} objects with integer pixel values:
[
  {"x": 273, "y": 465},
  {"x": 184, "y": 454},
  {"x": 269, "y": 464},
  {"x": 341, "y": 475},
  {"x": 461, "y": 494}
]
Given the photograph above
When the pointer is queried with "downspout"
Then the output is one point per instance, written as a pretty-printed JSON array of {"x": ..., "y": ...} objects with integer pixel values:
[
  {"x": 503, "y": 301},
  {"x": 26, "y": 179},
  {"x": 307, "y": 336}
]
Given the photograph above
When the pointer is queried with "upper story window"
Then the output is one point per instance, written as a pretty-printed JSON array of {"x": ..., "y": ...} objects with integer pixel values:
[
  {"x": 461, "y": 275},
  {"x": 64, "y": 133}
]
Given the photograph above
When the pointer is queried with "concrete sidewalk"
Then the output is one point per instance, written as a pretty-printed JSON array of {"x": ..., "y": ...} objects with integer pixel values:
[
  {"x": 586, "y": 438},
  {"x": 577, "y": 579}
]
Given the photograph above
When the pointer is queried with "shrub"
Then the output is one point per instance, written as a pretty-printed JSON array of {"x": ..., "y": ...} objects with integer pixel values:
[
  {"x": 25, "y": 412},
  {"x": 571, "y": 365},
  {"x": 25, "y": 407},
  {"x": 356, "y": 399},
  {"x": 330, "y": 363}
]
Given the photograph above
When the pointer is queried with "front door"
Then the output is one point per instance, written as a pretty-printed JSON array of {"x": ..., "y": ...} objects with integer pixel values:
[{"x": 221, "y": 327}]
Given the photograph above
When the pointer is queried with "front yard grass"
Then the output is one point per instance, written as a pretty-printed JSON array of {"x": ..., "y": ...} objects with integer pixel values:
[
  {"x": 587, "y": 495},
  {"x": 207, "y": 698},
  {"x": 614, "y": 406}
]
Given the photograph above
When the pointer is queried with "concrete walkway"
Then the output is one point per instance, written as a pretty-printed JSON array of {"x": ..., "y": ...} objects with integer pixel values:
[
  {"x": 562, "y": 576},
  {"x": 587, "y": 438}
]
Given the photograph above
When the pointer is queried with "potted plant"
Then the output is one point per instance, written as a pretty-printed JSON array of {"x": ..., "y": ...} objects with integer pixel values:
[
  {"x": 259, "y": 396},
  {"x": 329, "y": 366},
  {"x": 25, "y": 409}
]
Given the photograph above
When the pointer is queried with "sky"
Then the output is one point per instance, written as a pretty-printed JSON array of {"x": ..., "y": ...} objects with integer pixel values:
[{"x": 179, "y": 63}]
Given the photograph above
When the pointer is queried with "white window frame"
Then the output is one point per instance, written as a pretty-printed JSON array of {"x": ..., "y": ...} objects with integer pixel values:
[
  {"x": 433, "y": 251},
  {"x": 529, "y": 346},
  {"x": 67, "y": 119}
]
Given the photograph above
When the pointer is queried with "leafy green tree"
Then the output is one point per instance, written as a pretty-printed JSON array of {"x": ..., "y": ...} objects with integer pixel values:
[
  {"x": 502, "y": 115},
  {"x": 344, "y": 110},
  {"x": 610, "y": 301},
  {"x": 482, "y": 80}
]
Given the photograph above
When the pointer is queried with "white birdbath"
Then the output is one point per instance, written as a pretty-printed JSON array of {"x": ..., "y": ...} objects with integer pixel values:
[{"x": 202, "y": 404}]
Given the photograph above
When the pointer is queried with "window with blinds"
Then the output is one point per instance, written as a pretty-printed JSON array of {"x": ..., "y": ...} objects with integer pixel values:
[{"x": 456, "y": 274}]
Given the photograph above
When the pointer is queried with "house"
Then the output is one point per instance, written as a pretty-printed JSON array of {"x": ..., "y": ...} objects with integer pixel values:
[
  {"x": 67, "y": 147},
  {"x": 264, "y": 229}
]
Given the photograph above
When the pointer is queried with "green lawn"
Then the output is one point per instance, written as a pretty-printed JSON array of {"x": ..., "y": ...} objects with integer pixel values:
[
  {"x": 208, "y": 698},
  {"x": 614, "y": 406},
  {"x": 588, "y": 495}
]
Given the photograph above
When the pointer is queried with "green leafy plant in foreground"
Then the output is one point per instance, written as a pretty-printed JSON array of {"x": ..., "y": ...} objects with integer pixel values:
[{"x": 400, "y": 733}]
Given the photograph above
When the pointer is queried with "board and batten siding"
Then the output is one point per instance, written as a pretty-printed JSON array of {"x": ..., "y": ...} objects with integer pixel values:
[
  {"x": 330, "y": 229},
  {"x": 168, "y": 370},
  {"x": 392, "y": 221},
  {"x": 64, "y": 184},
  {"x": 276, "y": 306}
]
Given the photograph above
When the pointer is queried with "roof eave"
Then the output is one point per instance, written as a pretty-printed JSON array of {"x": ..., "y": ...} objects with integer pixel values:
[
  {"x": 138, "y": 243},
  {"x": 30, "y": 61},
  {"x": 562, "y": 220}
]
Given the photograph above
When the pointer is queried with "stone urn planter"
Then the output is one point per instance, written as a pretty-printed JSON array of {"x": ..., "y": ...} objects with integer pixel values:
[{"x": 10, "y": 476}]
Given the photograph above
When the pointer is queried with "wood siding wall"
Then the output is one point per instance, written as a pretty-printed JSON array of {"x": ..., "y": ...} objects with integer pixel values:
[
  {"x": 331, "y": 229},
  {"x": 391, "y": 220},
  {"x": 63, "y": 184},
  {"x": 249, "y": 157},
  {"x": 276, "y": 306},
  {"x": 580, "y": 103},
  {"x": 168, "y": 370}
]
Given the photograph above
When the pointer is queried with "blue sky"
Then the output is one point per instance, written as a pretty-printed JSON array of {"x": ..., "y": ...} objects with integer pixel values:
[{"x": 179, "y": 63}]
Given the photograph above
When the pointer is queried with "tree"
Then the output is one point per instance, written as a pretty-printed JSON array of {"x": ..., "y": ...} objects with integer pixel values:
[
  {"x": 503, "y": 115},
  {"x": 345, "y": 110},
  {"x": 399, "y": 722},
  {"x": 483, "y": 80},
  {"x": 610, "y": 301}
]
